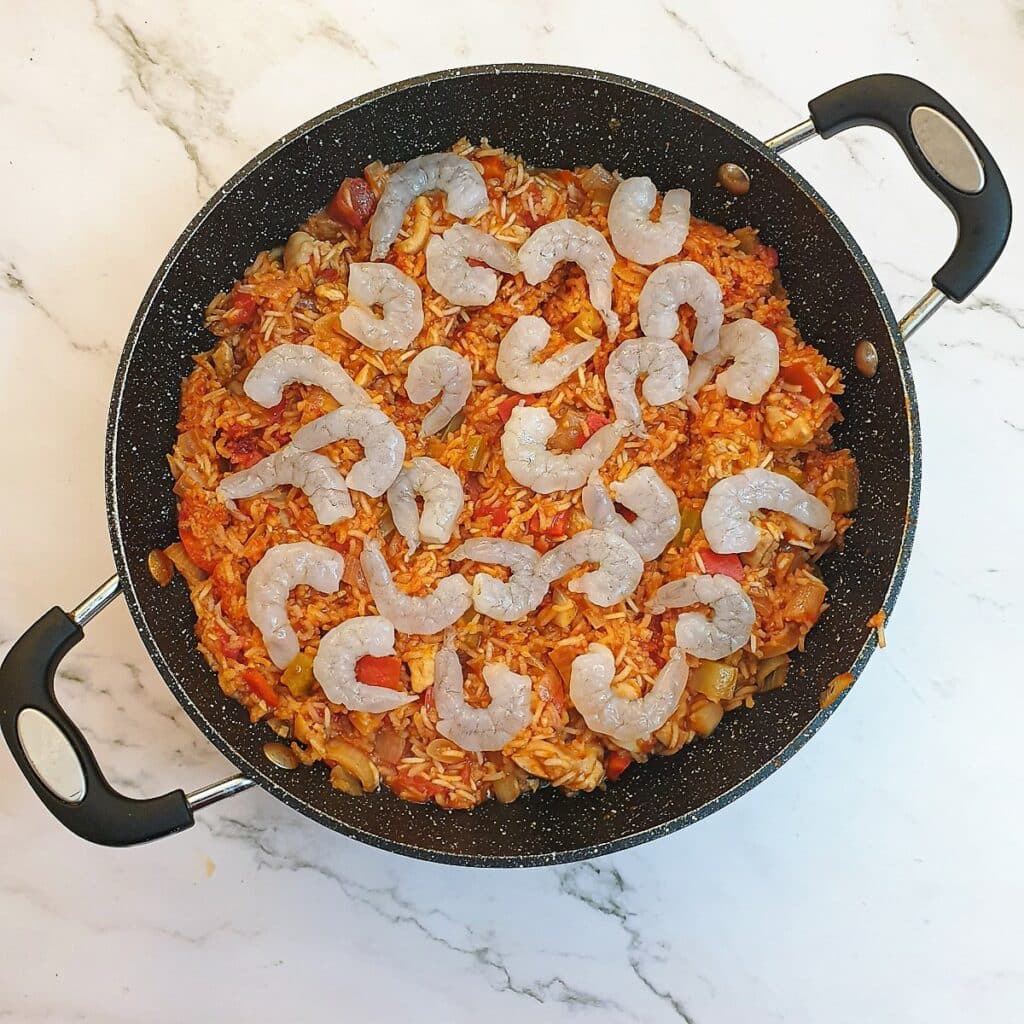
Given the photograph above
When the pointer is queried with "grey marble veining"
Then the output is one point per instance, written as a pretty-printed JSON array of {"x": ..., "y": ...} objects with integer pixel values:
[{"x": 875, "y": 877}]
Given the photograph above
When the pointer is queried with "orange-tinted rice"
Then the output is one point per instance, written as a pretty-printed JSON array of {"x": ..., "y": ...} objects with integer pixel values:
[{"x": 691, "y": 445}]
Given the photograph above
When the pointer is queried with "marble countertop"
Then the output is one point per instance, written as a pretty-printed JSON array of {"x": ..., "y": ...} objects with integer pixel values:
[{"x": 875, "y": 877}]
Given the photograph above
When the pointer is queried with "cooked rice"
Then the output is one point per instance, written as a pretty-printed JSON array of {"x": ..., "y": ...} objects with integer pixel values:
[{"x": 691, "y": 444}]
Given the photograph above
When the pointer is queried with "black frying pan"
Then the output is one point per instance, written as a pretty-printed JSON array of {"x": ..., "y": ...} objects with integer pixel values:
[{"x": 553, "y": 117}]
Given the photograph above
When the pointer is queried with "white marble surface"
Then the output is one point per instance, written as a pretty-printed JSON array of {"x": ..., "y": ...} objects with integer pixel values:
[{"x": 876, "y": 877}]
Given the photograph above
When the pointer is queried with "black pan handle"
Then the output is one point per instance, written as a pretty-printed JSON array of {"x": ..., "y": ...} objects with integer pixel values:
[
  {"x": 82, "y": 799},
  {"x": 947, "y": 155}
]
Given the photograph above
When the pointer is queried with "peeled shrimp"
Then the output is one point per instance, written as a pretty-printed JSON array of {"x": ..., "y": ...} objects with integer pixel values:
[
  {"x": 511, "y": 601},
  {"x": 489, "y": 728},
  {"x": 302, "y": 364},
  {"x": 524, "y": 446},
  {"x": 443, "y": 498},
  {"x": 444, "y": 172},
  {"x": 642, "y": 492},
  {"x": 282, "y": 568},
  {"x": 516, "y": 366},
  {"x": 669, "y": 287},
  {"x": 315, "y": 475},
  {"x": 619, "y": 566},
  {"x": 584, "y": 246},
  {"x": 422, "y": 615},
  {"x": 726, "y": 631},
  {"x": 731, "y": 502},
  {"x": 634, "y": 234},
  {"x": 380, "y": 284},
  {"x": 625, "y": 721},
  {"x": 755, "y": 353},
  {"x": 450, "y": 274},
  {"x": 663, "y": 366},
  {"x": 383, "y": 445},
  {"x": 439, "y": 371},
  {"x": 335, "y": 664}
]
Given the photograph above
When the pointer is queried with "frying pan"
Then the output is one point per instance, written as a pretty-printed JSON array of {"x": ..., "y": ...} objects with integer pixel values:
[{"x": 552, "y": 116}]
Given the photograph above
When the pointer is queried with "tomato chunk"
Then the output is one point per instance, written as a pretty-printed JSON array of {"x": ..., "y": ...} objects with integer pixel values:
[
  {"x": 243, "y": 309},
  {"x": 353, "y": 204},
  {"x": 384, "y": 672},
  {"x": 724, "y": 565}
]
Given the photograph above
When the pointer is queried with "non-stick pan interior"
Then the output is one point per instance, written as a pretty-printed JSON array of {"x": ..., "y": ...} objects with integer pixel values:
[{"x": 553, "y": 117}]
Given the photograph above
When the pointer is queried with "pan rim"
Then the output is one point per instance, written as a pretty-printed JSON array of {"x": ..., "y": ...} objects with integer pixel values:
[{"x": 256, "y": 772}]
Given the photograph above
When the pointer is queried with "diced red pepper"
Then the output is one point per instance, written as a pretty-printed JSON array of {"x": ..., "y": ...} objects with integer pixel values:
[
  {"x": 769, "y": 256},
  {"x": 722, "y": 565},
  {"x": 474, "y": 262},
  {"x": 497, "y": 514},
  {"x": 800, "y": 376},
  {"x": 276, "y": 412},
  {"x": 494, "y": 168},
  {"x": 618, "y": 761},
  {"x": 353, "y": 204},
  {"x": 261, "y": 686},
  {"x": 385, "y": 672},
  {"x": 329, "y": 274},
  {"x": 506, "y": 407},
  {"x": 593, "y": 423}
]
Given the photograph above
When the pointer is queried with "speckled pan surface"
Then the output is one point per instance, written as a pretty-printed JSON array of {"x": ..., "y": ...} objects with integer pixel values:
[{"x": 553, "y": 117}]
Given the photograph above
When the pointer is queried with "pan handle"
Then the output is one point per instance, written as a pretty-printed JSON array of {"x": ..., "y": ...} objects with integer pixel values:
[
  {"x": 55, "y": 757},
  {"x": 948, "y": 157}
]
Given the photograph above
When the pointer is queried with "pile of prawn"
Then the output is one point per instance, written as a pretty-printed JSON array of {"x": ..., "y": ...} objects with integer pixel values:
[{"x": 470, "y": 488}]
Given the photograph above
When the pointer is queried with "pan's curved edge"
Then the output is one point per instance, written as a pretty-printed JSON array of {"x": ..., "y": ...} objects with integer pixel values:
[{"x": 254, "y": 771}]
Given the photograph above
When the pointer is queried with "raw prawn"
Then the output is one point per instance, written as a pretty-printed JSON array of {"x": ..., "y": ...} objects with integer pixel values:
[
  {"x": 450, "y": 273},
  {"x": 489, "y": 728},
  {"x": 419, "y": 615},
  {"x": 524, "y": 447},
  {"x": 668, "y": 288},
  {"x": 335, "y": 665},
  {"x": 619, "y": 566},
  {"x": 439, "y": 371},
  {"x": 466, "y": 194},
  {"x": 273, "y": 577},
  {"x": 754, "y": 350},
  {"x": 383, "y": 445},
  {"x": 398, "y": 295},
  {"x": 511, "y": 601},
  {"x": 518, "y": 370},
  {"x": 315, "y": 475},
  {"x": 443, "y": 498},
  {"x": 660, "y": 361},
  {"x": 625, "y": 721},
  {"x": 725, "y": 632},
  {"x": 731, "y": 502},
  {"x": 642, "y": 492},
  {"x": 301, "y": 364},
  {"x": 585, "y": 246},
  {"x": 634, "y": 234}
]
